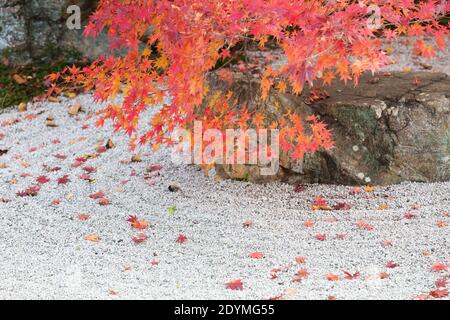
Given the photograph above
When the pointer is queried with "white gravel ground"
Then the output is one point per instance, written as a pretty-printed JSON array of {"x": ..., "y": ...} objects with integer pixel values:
[{"x": 43, "y": 253}]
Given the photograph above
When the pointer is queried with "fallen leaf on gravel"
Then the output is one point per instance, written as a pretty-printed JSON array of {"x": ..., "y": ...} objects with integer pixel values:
[
  {"x": 140, "y": 238},
  {"x": 364, "y": 225},
  {"x": 423, "y": 296},
  {"x": 92, "y": 238},
  {"x": 247, "y": 224},
  {"x": 42, "y": 179},
  {"x": 309, "y": 223},
  {"x": 440, "y": 283},
  {"x": 320, "y": 204},
  {"x": 174, "y": 188},
  {"x": 136, "y": 158},
  {"x": 104, "y": 201},
  {"x": 97, "y": 195},
  {"x": 154, "y": 262},
  {"x": 24, "y": 164},
  {"x": 438, "y": 267},
  {"x": 387, "y": 243},
  {"x": 391, "y": 265},
  {"x": 355, "y": 190},
  {"x": 86, "y": 177},
  {"x": 426, "y": 253},
  {"x": 50, "y": 122},
  {"x": 342, "y": 206},
  {"x": 3, "y": 152},
  {"x": 299, "y": 188},
  {"x": 64, "y": 179},
  {"x": 138, "y": 224},
  {"x": 256, "y": 255},
  {"x": 181, "y": 239},
  {"x": 302, "y": 273},
  {"x": 172, "y": 210},
  {"x": 75, "y": 109},
  {"x": 332, "y": 277},
  {"x": 109, "y": 144},
  {"x": 112, "y": 292},
  {"x": 51, "y": 169},
  {"x": 22, "y": 107},
  {"x": 89, "y": 169},
  {"x": 320, "y": 237},
  {"x": 369, "y": 189},
  {"x": 154, "y": 168},
  {"x": 439, "y": 293},
  {"x": 100, "y": 149},
  {"x": 69, "y": 196},
  {"x": 31, "y": 191},
  {"x": 383, "y": 275},
  {"x": 341, "y": 236},
  {"x": 441, "y": 224},
  {"x": 126, "y": 268},
  {"x": 3, "y": 165},
  {"x": 300, "y": 260},
  {"x": 383, "y": 206},
  {"x": 408, "y": 215},
  {"x": 84, "y": 216},
  {"x": 350, "y": 276},
  {"x": 235, "y": 285}
]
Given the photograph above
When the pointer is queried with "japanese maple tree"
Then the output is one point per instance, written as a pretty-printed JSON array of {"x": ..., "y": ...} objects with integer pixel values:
[{"x": 172, "y": 46}]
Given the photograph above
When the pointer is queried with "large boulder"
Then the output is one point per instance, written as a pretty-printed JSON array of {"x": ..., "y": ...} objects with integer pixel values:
[
  {"x": 37, "y": 31},
  {"x": 391, "y": 128}
]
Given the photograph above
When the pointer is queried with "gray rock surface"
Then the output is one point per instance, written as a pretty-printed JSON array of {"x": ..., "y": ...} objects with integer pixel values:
[
  {"x": 393, "y": 127},
  {"x": 34, "y": 31}
]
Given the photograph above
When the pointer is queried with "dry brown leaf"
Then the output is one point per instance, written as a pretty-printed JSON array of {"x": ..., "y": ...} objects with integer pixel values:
[
  {"x": 22, "y": 107},
  {"x": 19, "y": 79},
  {"x": 136, "y": 158},
  {"x": 53, "y": 99},
  {"x": 75, "y": 109},
  {"x": 92, "y": 237},
  {"x": 109, "y": 144}
]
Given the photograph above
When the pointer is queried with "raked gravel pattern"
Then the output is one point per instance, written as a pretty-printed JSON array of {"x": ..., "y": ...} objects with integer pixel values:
[{"x": 44, "y": 254}]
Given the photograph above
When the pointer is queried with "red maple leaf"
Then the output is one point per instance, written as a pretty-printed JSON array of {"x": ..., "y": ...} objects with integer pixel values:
[
  {"x": 138, "y": 224},
  {"x": 321, "y": 237},
  {"x": 439, "y": 293},
  {"x": 89, "y": 169},
  {"x": 97, "y": 195},
  {"x": 104, "y": 201},
  {"x": 408, "y": 215},
  {"x": 342, "y": 206},
  {"x": 181, "y": 239},
  {"x": 31, "y": 191},
  {"x": 438, "y": 267},
  {"x": 84, "y": 216},
  {"x": 391, "y": 265},
  {"x": 60, "y": 156},
  {"x": 235, "y": 285},
  {"x": 440, "y": 283},
  {"x": 140, "y": 238},
  {"x": 51, "y": 169},
  {"x": 42, "y": 179},
  {"x": 64, "y": 180},
  {"x": 364, "y": 225},
  {"x": 155, "y": 167},
  {"x": 256, "y": 255},
  {"x": 350, "y": 276}
]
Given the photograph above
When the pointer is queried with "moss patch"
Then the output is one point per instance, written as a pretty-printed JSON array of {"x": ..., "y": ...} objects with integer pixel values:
[{"x": 13, "y": 93}]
